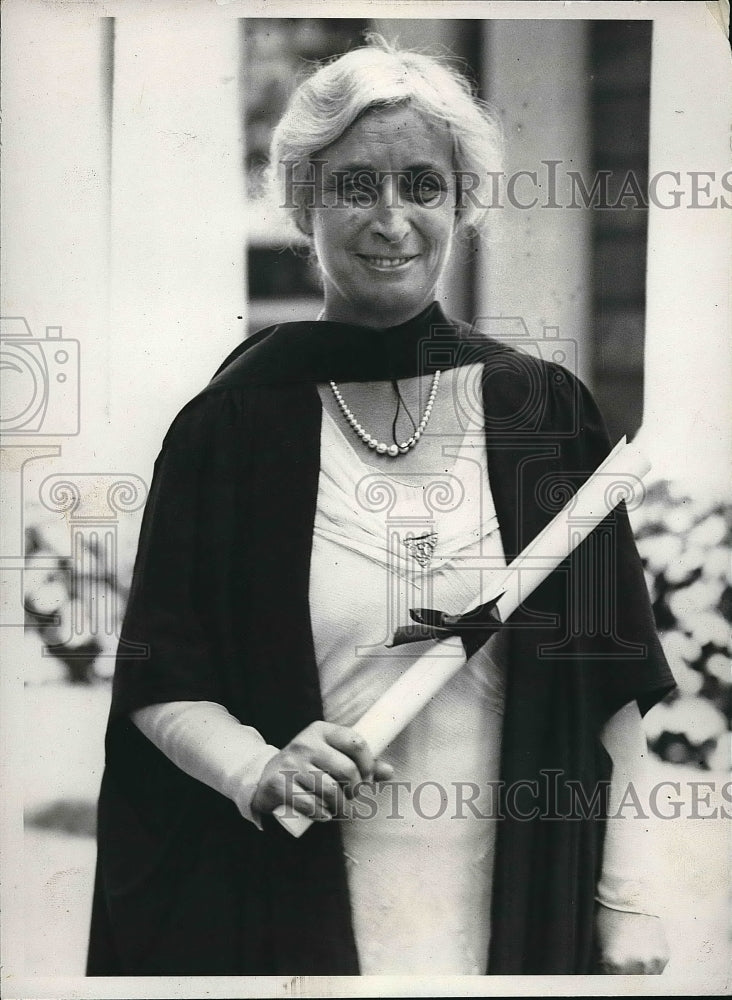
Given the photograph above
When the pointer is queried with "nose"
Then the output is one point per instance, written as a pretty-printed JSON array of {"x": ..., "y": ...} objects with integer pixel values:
[{"x": 389, "y": 219}]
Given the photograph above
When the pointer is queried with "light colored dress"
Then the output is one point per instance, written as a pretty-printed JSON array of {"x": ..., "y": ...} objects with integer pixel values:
[{"x": 420, "y": 855}]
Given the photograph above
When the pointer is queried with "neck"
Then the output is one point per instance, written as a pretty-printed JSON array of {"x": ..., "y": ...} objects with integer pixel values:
[
  {"x": 315, "y": 351},
  {"x": 340, "y": 312}
]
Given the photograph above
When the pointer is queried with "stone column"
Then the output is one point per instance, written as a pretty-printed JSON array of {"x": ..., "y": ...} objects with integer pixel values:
[
  {"x": 534, "y": 262},
  {"x": 177, "y": 266},
  {"x": 688, "y": 356}
]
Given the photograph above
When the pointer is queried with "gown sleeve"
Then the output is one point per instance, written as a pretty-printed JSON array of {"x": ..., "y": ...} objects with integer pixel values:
[
  {"x": 624, "y": 653},
  {"x": 210, "y": 745},
  {"x": 166, "y": 653},
  {"x": 630, "y": 879}
]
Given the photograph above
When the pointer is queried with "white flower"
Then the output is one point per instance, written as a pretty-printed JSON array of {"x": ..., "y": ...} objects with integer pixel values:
[
  {"x": 709, "y": 532},
  {"x": 689, "y": 681},
  {"x": 688, "y": 603},
  {"x": 648, "y": 512},
  {"x": 718, "y": 563},
  {"x": 655, "y": 721},
  {"x": 720, "y": 759},
  {"x": 719, "y": 666},
  {"x": 659, "y": 550},
  {"x": 711, "y": 627},
  {"x": 693, "y": 496},
  {"x": 696, "y": 718},
  {"x": 47, "y": 596},
  {"x": 679, "y": 519},
  {"x": 682, "y": 567},
  {"x": 677, "y": 644}
]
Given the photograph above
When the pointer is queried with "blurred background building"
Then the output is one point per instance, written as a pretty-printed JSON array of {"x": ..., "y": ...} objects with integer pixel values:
[{"x": 135, "y": 220}]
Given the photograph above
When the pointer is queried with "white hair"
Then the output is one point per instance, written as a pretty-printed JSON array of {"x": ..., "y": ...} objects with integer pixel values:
[{"x": 380, "y": 75}]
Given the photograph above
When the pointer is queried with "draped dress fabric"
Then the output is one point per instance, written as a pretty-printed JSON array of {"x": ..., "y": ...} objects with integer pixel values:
[{"x": 419, "y": 858}]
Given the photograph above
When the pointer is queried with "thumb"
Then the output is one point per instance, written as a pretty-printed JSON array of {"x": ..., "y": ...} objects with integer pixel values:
[{"x": 383, "y": 771}]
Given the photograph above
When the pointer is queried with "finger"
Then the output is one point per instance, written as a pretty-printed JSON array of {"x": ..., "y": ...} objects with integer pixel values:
[
  {"x": 338, "y": 765},
  {"x": 279, "y": 792},
  {"x": 325, "y": 788},
  {"x": 383, "y": 771},
  {"x": 282, "y": 786},
  {"x": 300, "y": 763},
  {"x": 352, "y": 745},
  {"x": 304, "y": 802}
]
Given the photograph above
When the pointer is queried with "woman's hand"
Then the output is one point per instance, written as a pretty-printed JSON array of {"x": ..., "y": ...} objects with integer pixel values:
[
  {"x": 316, "y": 769},
  {"x": 629, "y": 943}
]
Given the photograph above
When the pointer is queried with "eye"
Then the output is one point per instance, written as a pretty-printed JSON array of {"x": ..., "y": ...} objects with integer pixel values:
[{"x": 425, "y": 187}]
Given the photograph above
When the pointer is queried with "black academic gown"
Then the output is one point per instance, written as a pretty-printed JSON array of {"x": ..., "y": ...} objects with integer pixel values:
[{"x": 184, "y": 885}]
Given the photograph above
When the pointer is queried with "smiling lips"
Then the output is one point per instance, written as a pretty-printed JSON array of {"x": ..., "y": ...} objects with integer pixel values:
[{"x": 386, "y": 262}]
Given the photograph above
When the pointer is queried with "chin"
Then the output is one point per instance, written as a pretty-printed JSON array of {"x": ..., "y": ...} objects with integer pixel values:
[
  {"x": 391, "y": 314},
  {"x": 401, "y": 304}
]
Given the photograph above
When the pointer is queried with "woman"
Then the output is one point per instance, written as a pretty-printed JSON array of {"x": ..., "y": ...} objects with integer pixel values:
[{"x": 333, "y": 475}]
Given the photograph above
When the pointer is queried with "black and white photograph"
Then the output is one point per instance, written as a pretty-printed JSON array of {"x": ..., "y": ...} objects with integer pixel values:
[{"x": 366, "y": 436}]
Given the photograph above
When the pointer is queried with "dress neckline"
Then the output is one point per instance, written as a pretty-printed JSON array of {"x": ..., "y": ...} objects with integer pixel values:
[
  {"x": 348, "y": 486},
  {"x": 392, "y": 472}
]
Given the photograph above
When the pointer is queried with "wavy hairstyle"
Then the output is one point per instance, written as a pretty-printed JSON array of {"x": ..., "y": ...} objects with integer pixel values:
[{"x": 380, "y": 75}]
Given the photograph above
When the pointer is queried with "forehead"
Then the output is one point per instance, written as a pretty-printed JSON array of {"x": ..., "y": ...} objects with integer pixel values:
[{"x": 392, "y": 137}]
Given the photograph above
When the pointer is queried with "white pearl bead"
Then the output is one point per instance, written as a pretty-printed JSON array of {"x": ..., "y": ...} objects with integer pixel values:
[{"x": 383, "y": 449}]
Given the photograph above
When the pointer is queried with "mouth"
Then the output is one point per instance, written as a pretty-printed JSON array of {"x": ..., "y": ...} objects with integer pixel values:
[{"x": 381, "y": 263}]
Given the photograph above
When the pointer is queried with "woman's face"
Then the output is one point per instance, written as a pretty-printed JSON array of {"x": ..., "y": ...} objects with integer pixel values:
[{"x": 384, "y": 229}]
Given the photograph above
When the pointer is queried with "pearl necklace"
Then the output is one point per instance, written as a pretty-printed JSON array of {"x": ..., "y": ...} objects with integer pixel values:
[{"x": 392, "y": 450}]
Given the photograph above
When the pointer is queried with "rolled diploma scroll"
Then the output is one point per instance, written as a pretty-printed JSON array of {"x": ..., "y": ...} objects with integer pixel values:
[{"x": 614, "y": 480}]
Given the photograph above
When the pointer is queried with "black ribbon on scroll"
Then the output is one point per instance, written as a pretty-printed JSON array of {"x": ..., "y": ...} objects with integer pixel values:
[{"x": 474, "y": 627}]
